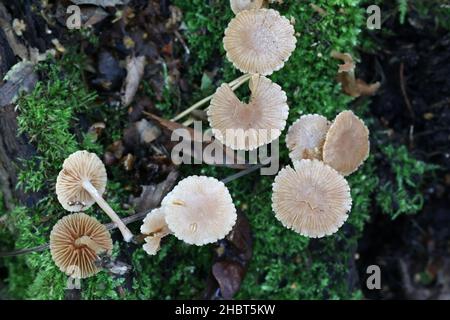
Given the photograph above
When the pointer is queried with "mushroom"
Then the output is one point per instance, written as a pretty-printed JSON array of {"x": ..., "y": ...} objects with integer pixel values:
[
  {"x": 306, "y": 136},
  {"x": 259, "y": 41},
  {"x": 199, "y": 210},
  {"x": 76, "y": 242},
  {"x": 347, "y": 143},
  {"x": 155, "y": 228},
  {"x": 81, "y": 183},
  {"x": 241, "y": 5},
  {"x": 311, "y": 198},
  {"x": 246, "y": 126}
]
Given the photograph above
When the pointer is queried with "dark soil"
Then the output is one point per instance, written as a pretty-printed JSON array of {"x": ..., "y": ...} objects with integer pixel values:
[{"x": 413, "y": 252}]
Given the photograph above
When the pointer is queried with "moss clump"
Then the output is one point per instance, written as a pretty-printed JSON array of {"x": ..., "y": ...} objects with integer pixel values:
[
  {"x": 48, "y": 116},
  {"x": 402, "y": 193},
  {"x": 284, "y": 264}
]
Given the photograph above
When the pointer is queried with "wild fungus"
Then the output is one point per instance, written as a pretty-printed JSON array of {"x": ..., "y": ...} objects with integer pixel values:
[
  {"x": 347, "y": 143},
  {"x": 259, "y": 41},
  {"x": 155, "y": 228},
  {"x": 81, "y": 183},
  {"x": 241, "y": 5},
  {"x": 199, "y": 210},
  {"x": 243, "y": 126},
  {"x": 75, "y": 243},
  {"x": 312, "y": 198},
  {"x": 306, "y": 136}
]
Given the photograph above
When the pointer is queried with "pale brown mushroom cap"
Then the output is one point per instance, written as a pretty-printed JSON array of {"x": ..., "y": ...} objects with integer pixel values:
[
  {"x": 347, "y": 143},
  {"x": 77, "y": 167},
  {"x": 78, "y": 260},
  {"x": 312, "y": 198},
  {"x": 259, "y": 41},
  {"x": 155, "y": 227},
  {"x": 199, "y": 210},
  {"x": 241, "y": 5},
  {"x": 306, "y": 136},
  {"x": 246, "y": 126}
]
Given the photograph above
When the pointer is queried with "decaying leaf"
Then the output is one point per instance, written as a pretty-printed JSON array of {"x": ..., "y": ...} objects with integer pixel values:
[
  {"x": 135, "y": 71},
  {"x": 346, "y": 76},
  {"x": 233, "y": 255},
  {"x": 110, "y": 74},
  {"x": 232, "y": 159},
  {"x": 152, "y": 195},
  {"x": 21, "y": 77}
]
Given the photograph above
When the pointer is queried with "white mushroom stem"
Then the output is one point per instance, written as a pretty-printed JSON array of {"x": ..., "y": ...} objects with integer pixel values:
[
  {"x": 235, "y": 84},
  {"x": 87, "y": 241},
  {"x": 126, "y": 233}
]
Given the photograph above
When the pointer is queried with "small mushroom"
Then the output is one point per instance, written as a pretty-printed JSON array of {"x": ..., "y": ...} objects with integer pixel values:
[
  {"x": 312, "y": 198},
  {"x": 154, "y": 228},
  {"x": 246, "y": 126},
  {"x": 241, "y": 5},
  {"x": 81, "y": 183},
  {"x": 259, "y": 41},
  {"x": 76, "y": 242},
  {"x": 199, "y": 210},
  {"x": 347, "y": 143},
  {"x": 306, "y": 136}
]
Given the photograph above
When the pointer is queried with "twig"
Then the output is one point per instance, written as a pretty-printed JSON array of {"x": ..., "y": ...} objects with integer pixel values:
[
  {"x": 233, "y": 84},
  {"x": 405, "y": 95},
  {"x": 109, "y": 226},
  {"x": 183, "y": 43},
  {"x": 24, "y": 251},
  {"x": 242, "y": 173}
]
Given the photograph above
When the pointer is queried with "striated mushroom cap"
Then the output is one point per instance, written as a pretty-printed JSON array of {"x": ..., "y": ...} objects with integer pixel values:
[
  {"x": 259, "y": 41},
  {"x": 306, "y": 136},
  {"x": 199, "y": 210},
  {"x": 68, "y": 244},
  {"x": 246, "y": 126},
  {"x": 77, "y": 167},
  {"x": 155, "y": 228},
  {"x": 312, "y": 198},
  {"x": 347, "y": 143},
  {"x": 241, "y": 5}
]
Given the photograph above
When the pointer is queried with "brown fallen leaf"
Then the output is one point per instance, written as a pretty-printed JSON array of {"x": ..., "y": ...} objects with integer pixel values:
[
  {"x": 232, "y": 158},
  {"x": 152, "y": 195},
  {"x": 346, "y": 76},
  {"x": 229, "y": 275},
  {"x": 233, "y": 255},
  {"x": 135, "y": 71}
]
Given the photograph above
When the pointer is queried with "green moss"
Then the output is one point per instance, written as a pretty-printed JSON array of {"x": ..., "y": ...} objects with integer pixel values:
[
  {"x": 48, "y": 116},
  {"x": 284, "y": 266},
  {"x": 402, "y": 193}
]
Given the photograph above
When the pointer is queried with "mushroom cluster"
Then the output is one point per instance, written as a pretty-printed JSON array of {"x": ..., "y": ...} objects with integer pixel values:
[
  {"x": 198, "y": 211},
  {"x": 313, "y": 197},
  {"x": 77, "y": 240},
  {"x": 258, "y": 41}
]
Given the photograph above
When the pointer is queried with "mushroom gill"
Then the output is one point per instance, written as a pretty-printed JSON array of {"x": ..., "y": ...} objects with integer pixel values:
[
  {"x": 75, "y": 243},
  {"x": 246, "y": 126},
  {"x": 311, "y": 198}
]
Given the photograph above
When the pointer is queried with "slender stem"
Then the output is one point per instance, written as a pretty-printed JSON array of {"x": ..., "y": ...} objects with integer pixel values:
[
  {"x": 236, "y": 83},
  {"x": 126, "y": 233},
  {"x": 87, "y": 241}
]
